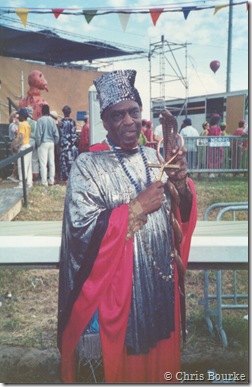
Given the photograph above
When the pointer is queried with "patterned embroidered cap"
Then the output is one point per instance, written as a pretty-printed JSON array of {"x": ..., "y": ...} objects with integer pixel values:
[{"x": 115, "y": 87}]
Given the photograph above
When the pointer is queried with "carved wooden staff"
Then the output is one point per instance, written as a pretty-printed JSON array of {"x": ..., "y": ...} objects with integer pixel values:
[{"x": 170, "y": 142}]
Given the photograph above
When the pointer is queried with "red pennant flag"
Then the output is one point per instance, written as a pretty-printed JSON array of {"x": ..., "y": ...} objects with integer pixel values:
[
  {"x": 57, "y": 12},
  {"x": 155, "y": 13}
]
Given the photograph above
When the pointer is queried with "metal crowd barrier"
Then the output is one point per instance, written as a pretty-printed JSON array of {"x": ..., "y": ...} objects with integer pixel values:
[
  {"x": 12, "y": 159},
  {"x": 217, "y": 154},
  {"x": 225, "y": 206},
  {"x": 219, "y": 297}
]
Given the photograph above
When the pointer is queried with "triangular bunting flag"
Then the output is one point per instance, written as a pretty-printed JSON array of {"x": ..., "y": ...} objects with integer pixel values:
[
  {"x": 22, "y": 14},
  {"x": 155, "y": 13},
  {"x": 186, "y": 11},
  {"x": 89, "y": 15},
  {"x": 124, "y": 18},
  {"x": 57, "y": 12},
  {"x": 246, "y": 6},
  {"x": 216, "y": 9}
]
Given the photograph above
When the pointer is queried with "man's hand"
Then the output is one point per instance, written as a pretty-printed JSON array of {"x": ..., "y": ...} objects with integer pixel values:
[
  {"x": 152, "y": 197},
  {"x": 179, "y": 174}
]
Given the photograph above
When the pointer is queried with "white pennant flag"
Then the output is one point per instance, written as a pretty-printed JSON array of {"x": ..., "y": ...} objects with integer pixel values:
[{"x": 124, "y": 18}]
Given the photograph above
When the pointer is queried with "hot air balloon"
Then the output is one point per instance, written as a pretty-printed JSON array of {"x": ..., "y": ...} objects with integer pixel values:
[{"x": 214, "y": 65}]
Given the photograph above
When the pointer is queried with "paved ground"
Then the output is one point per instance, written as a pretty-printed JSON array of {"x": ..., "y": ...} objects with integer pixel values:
[{"x": 24, "y": 365}]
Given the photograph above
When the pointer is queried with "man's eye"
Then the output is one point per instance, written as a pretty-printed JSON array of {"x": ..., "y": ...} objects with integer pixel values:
[
  {"x": 117, "y": 116},
  {"x": 134, "y": 113}
]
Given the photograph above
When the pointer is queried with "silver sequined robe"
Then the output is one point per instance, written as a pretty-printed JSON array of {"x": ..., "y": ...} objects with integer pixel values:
[{"x": 98, "y": 184}]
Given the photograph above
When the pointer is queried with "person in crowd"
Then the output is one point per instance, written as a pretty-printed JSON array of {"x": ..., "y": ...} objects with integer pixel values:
[
  {"x": 224, "y": 150},
  {"x": 245, "y": 130},
  {"x": 240, "y": 130},
  {"x": 35, "y": 159},
  {"x": 23, "y": 136},
  {"x": 68, "y": 144},
  {"x": 188, "y": 131},
  {"x": 144, "y": 122},
  {"x": 223, "y": 128},
  {"x": 240, "y": 147},
  {"x": 84, "y": 136},
  {"x": 119, "y": 252},
  {"x": 13, "y": 129},
  {"x": 55, "y": 117},
  {"x": 149, "y": 134},
  {"x": 202, "y": 149},
  {"x": 214, "y": 129},
  {"x": 158, "y": 134},
  {"x": 213, "y": 152},
  {"x": 13, "y": 125},
  {"x": 205, "y": 127},
  {"x": 47, "y": 136},
  {"x": 142, "y": 140}
]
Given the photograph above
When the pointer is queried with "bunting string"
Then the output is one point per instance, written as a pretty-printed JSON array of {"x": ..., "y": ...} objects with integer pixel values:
[{"x": 124, "y": 14}]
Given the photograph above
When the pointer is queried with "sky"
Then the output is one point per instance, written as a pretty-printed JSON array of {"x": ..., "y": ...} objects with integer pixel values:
[{"x": 204, "y": 35}]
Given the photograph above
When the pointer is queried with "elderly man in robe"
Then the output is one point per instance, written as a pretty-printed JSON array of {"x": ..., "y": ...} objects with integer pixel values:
[{"x": 117, "y": 252}]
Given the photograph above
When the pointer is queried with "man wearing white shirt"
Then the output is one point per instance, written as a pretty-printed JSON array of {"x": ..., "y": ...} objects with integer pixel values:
[{"x": 187, "y": 130}]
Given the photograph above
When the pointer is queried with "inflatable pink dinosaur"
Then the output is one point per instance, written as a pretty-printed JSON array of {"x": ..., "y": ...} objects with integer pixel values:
[{"x": 36, "y": 82}]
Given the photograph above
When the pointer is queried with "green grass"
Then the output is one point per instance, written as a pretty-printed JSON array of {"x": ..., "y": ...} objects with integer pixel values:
[
  {"x": 30, "y": 318},
  {"x": 226, "y": 188}
]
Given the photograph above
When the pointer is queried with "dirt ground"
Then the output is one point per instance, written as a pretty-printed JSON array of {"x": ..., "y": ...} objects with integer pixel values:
[{"x": 28, "y": 316}]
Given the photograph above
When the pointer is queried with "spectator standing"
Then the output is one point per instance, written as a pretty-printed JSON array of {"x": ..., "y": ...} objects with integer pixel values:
[
  {"x": 158, "y": 134},
  {"x": 13, "y": 125},
  {"x": 84, "y": 136},
  {"x": 213, "y": 152},
  {"x": 240, "y": 130},
  {"x": 13, "y": 129},
  {"x": 188, "y": 131},
  {"x": 224, "y": 150},
  {"x": 205, "y": 127},
  {"x": 142, "y": 140},
  {"x": 202, "y": 149},
  {"x": 149, "y": 134},
  {"x": 47, "y": 137},
  {"x": 54, "y": 116},
  {"x": 240, "y": 147},
  {"x": 68, "y": 144},
  {"x": 23, "y": 134},
  {"x": 35, "y": 159},
  {"x": 223, "y": 128}
]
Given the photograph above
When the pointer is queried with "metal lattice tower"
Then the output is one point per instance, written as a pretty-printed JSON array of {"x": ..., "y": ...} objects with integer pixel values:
[{"x": 164, "y": 68}]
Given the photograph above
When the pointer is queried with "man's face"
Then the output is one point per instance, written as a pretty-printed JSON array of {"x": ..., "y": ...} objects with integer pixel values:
[{"x": 123, "y": 122}]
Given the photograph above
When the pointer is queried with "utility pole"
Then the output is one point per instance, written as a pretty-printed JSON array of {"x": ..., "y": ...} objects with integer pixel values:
[{"x": 229, "y": 49}]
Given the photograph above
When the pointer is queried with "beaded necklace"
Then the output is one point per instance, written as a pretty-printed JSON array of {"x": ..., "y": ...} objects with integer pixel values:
[{"x": 120, "y": 159}]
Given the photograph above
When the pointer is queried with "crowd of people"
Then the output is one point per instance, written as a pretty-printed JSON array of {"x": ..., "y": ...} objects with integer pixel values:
[
  {"x": 214, "y": 156},
  {"x": 201, "y": 156},
  {"x": 55, "y": 146}
]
